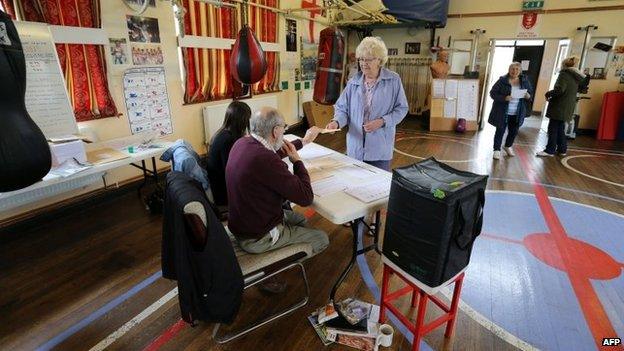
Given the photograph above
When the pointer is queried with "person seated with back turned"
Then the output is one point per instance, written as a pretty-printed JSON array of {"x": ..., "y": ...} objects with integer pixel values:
[
  {"x": 258, "y": 182},
  {"x": 235, "y": 126}
]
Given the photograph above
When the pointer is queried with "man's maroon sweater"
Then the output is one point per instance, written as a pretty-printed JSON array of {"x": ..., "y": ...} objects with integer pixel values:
[{"x": 258, "y": 182}]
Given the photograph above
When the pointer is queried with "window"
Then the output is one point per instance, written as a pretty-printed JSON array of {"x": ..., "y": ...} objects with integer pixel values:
[
  {"x": 596, "y": 61},
  {"x": 461, "y": 56},
  {"x": 83, "y": 64},
  {"x": 209, "y": 34}
]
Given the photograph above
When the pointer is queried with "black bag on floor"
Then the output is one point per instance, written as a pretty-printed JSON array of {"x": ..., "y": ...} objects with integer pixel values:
[{"x": 435, "y": 213}]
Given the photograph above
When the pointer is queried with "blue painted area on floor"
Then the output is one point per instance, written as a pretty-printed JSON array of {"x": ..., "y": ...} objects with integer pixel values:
[{"x": 530, "y": 299}]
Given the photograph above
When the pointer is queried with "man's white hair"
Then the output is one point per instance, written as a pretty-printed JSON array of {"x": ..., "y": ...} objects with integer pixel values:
[
  {"x": 264, "y": 120},
  {"x": 372, "y": 47}
]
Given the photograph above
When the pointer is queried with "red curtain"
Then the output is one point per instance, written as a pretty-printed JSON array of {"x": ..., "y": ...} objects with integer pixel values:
[
  {"x": 208, "y": 75},
  {"x": 7, "y": 6},
  {"x": 83, "y": 65}
]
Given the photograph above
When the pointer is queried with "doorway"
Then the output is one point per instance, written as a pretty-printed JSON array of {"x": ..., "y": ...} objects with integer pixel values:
[{"x": 528, "y": 52}]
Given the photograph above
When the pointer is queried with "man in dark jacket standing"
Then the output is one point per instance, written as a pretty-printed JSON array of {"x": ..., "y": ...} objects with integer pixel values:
[
  {"x": 258, "y": 182},
  {"x": 561, "y": 102}
]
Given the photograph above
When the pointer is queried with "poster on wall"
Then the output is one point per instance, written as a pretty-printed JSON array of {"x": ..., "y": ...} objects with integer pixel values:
[
  {"x": 47, "y": 101},
  {"x": 147, "y": 101},
  {"x": 118, "y": 51},
  {"x": 528, "y": 25},
  {"x": 309, "y": 52},
  {"x": 143, "y": 29},
  {"x": 412, "y": 48},
  {"x": 147, "y": 55},
  {"x": 291, "y": 35}
]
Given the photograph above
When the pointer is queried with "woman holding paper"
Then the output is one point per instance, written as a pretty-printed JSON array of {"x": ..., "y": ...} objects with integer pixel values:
[
  {"x": 372, "y": 104},
  {"x": 510, "y": 94}
]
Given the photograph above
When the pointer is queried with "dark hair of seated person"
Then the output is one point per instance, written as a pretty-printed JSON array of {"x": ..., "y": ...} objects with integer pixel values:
[
  {"x": 236, "y": 120},
  {"x": 235, "y": 126}
]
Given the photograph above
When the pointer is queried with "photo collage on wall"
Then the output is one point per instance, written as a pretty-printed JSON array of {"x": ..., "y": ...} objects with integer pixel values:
[{"x": 144, "y": 33}]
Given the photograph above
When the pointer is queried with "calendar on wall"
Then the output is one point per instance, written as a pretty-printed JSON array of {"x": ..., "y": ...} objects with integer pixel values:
[{"x": 147, "y": 101}]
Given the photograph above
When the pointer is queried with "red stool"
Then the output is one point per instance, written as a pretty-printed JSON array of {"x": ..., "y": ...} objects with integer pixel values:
[{"x": 421, "y": 294}]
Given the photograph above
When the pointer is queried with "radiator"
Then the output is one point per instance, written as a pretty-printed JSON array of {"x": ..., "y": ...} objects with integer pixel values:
[{"x": 214, "y": 114}]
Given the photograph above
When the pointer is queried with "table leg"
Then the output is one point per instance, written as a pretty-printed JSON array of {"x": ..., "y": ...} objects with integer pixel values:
[{"x": 355, "y": 227}]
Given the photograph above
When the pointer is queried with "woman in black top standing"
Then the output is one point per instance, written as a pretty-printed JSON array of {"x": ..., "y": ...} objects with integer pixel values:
[{"x": 235, "y": 125}]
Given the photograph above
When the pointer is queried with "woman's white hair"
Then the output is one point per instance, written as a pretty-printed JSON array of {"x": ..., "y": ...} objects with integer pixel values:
[
  {"x": 372, "y": 47},
  {"x": 516, "y": 64}
]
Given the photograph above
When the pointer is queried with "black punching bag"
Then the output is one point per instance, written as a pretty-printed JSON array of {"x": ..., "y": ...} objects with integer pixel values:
[
  {"x": 329, "y": 66},
  {"x": 24, "y": 153},
  {"x": 247, "y": 61}
]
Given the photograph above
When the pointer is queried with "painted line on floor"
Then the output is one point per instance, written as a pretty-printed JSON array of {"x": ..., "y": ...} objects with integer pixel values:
[
  {"x": 595, "y": 315},
  {"x": 565, "y": 163},
  {"x": 55, "y": 341},
  {"x": 500, "y": 238},
  {"x": 428, "y": 137},
  {"x": 168, "y": 334},
  {"x": 114, "y": 336},
  {"x": 570, "y": 148},
  {"x": 546, "y": 185}
]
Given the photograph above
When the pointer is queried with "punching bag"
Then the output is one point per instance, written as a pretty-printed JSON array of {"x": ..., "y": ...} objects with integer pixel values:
[
  {"x": 24, "y": 153},
  {"x": 329, "y": 66},
  {"x": 247, "y": 62}
]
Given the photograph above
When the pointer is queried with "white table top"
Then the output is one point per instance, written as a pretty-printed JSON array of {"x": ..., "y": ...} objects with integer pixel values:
[
  {"x": 341, "y": 207},
  {"x": 120, "y": 144}
]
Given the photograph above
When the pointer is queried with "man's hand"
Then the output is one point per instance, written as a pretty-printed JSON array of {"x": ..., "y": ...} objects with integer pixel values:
[
  {"x": 291, "y": 151},
  {"x": 332, "y": 125},
  {"x": 373, "y": 125},
  {"x": 508, "y": 98},
  {"x": 527, "y": 96},
  {"x": 310, "y": 135}
]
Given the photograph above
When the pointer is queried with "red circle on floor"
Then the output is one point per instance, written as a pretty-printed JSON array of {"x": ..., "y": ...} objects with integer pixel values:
[{"x": 585, "y": 259}]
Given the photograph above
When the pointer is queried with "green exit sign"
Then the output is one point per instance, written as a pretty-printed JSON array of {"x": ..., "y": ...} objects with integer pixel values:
[{"x": 532, "y": 5}]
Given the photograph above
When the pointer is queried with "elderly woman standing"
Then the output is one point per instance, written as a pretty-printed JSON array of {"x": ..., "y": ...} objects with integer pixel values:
[
  {"x": 561, "y": 102},
  {"x": 372, "y": 104},
  {"x": 509, "y": 112}
]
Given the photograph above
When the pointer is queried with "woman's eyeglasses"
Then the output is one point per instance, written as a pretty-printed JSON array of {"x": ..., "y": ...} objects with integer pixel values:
[{"x": 366, "y": 60}]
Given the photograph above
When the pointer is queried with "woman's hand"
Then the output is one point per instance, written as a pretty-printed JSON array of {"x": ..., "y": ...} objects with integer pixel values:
[
  {"x": 527, "y": 96},
  {"x": 508, "y": 98},
  {"x": 373, "y": 125},
  {"x": 332, "y": 125}
]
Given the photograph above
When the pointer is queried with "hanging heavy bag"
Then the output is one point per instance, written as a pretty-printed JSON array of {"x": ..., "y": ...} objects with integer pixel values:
[
  {"x": 24, "y": 153},
  {"x": 329, "y": 67},
  {"x": 247, "y": 61}
]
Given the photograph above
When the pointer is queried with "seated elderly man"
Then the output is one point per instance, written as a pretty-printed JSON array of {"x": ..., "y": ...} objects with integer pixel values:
[{"x": 258, "y": 182}]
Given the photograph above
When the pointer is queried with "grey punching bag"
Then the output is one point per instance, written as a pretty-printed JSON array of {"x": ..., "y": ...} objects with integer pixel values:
[{"x": 24, "y": 153}]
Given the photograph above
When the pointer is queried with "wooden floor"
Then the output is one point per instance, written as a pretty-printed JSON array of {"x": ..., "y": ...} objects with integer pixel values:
[{"x": 69, "y": 282}]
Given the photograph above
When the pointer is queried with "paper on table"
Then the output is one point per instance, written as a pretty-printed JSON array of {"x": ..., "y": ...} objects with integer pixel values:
[
  {"x": 355, "y": 172},
  {"x": 449, "y": 108},
  {"x": 313, "y": 151},
  {"x": 437, "y": 88},
  {"x": 372, "y": 191},
  {"x": 328, "y": 186},
  {"x": 324, "y": 131},
  {"x": 518, "y": 94},
  {"x": 105, "y": 155}
]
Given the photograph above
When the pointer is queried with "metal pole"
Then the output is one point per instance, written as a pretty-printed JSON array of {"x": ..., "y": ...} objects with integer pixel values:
[
  {"x": 475, "y": 47},
  {"x": 585, "y": 44}
]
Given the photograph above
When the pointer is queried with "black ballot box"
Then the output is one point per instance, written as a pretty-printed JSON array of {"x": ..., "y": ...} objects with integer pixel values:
[{"x": 435, "y": 212}]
